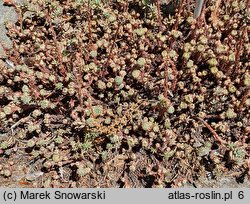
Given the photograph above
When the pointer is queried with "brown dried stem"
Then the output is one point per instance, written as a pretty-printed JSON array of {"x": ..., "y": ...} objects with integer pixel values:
[
  {"x": 165, "y": 81},
  {"x": 89, "y": 21},
  {"x": 175, "y": 74},
  {"x": 215, "y": 135},
  {"x": 243, "y": 99},
  {"x": 214, "y": 14},
  {"x": 159, "y": 13},
  {"x": 59, "y": 51}
]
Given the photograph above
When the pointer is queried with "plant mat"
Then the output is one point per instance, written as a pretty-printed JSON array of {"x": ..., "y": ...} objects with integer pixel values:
[{"x": 125, "y": 94}]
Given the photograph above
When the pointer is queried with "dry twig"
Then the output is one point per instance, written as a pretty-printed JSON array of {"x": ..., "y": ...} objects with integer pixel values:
[{"x": 215, "y": 135}]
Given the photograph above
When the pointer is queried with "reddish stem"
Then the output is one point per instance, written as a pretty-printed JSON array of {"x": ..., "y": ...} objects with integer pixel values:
[{"x": 215, "y": 135}]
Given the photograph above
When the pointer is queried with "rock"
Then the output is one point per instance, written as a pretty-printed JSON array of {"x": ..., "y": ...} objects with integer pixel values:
[{"x": 7, "y": 13}]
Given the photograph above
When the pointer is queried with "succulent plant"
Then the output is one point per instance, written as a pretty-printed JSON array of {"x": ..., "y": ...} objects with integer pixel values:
[{"x": 96, "y": 88}]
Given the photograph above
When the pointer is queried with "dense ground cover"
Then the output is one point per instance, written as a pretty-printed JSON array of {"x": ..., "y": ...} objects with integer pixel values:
[{"x": 125, "y": 94}]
